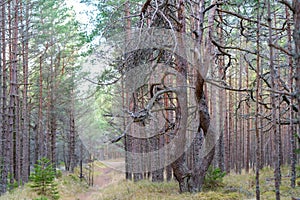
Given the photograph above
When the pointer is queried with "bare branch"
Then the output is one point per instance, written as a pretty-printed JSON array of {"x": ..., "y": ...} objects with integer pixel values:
[
  {"x": 287, "y": 4},
  {"x": 281, "y": 49},
  {"x": 231, "y": 47},
  {"x": 226, "y": 87},
  {"x": 145, "y": 6},
  {"x": 122, "y": 135},
  {"x": 247, "y": 19},
  {"x": 212, "y": 5},
  {"x": 101, "y": 84},
  {"x": 143, "y": 114}
]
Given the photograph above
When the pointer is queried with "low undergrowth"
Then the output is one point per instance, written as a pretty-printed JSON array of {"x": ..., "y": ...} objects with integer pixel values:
[
  {"x": 231, "y": 187},
  {"x": 69, "y": 185},
  {"x": 152, "y": 191},
  {"x": 245, "y": 184}
]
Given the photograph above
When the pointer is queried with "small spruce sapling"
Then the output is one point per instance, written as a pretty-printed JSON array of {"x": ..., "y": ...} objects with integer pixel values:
[{"x": 43, "y": 179}]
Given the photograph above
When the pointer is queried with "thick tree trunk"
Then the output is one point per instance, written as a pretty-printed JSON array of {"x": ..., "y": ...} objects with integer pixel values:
[
  {"x": 157, "y": 174},
  {"x": 179, "y": 166},
  {"x": 296, "y": 36}
]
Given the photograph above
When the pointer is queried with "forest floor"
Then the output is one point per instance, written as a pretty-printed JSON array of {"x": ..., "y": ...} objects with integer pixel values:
[
  {"x": 111, "y": 184},
  {"x": 103, "y": 178}
]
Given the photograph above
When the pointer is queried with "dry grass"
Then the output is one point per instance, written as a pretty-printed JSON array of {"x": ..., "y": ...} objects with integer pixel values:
[
  {"x": 236, "y": 187},
  {"x": 245, "y": 184},
  {"x": 69, "y": 185},
  {"x": 19, "y": 194},
  {"x": 127, "y": 190}
]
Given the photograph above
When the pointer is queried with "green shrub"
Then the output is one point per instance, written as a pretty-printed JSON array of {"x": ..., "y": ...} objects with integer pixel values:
[
  {"x": 43, "y": 179},
  {"x": 41, "y": 198},
  {"x": 298, "y": 171},
  {"x": 214, "y": 178},
  {"x": 11, "y": 186},
  {"x": 58, "y": 173}
]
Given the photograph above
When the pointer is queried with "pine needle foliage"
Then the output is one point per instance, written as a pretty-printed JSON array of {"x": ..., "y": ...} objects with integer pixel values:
[
  {"x": 214, "y": 178},
  {"x": 43, "y": 179}
]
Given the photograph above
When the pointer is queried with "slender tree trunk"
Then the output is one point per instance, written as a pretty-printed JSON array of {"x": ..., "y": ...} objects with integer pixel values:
[
  {"x": 10, "y": 118},
  {"x": 235, "y": 130},
  {"x": 167, "y": 137},
  {"x": 222, "y": 95},
  {"x": 240, "y": 118},
  {"x": 127, "y": 139},
  {"x": 39, "y": 138},
  {"x": 1, "y": 103},
  {"x": 248, "y": 127},
  {"x": 14, "y": 137},
  {"x": 16, "y": 103},
  {"x": 25, "y": 123},
  {"x": 72, "y": 135},
  {"x": 5, "y": 135},
  {"x": 276, "y": 134},
  {"x": 257, "y": 118},
  {"x": 293, "y": 158},
  {"x": 230, "y": 127}
]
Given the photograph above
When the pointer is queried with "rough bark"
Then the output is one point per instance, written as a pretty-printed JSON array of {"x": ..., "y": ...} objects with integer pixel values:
[
  {"x": 274, "y": 77},
  {"x": 39, "y": 137},
  {"x": 257, "y": 131},
  {"x": 4, "y": 102},
  {"x": 72, "y": 137},
  {"x": 293, "y": 157},
  {"x": 1, "y": 98},
  {"x": 247, "y": 163},
  {"x": 25, "y": 122},
  {"x": 296, "y": 36}
]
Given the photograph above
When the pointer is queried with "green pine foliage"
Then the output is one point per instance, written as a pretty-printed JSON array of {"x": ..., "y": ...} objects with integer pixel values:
[
  {"x": 42, "y": 198},
  {"x": 214, "y": 177},
  {"x": 12, "y": 185},
  {"x": 43, "y": 179}
]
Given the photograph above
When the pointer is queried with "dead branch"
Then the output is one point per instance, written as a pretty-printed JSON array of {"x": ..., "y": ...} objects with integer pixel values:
[{"x": 287, "y": 4}]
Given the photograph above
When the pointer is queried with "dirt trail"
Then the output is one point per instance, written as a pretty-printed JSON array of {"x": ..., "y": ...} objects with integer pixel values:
[{"x": 100, "y": 181}]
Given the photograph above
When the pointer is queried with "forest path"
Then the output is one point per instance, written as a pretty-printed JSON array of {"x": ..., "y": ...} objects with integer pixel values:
[{"x": 104, "y": 176}]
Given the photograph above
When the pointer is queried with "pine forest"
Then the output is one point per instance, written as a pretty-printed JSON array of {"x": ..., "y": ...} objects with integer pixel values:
[{"x": 152, "y": 99}]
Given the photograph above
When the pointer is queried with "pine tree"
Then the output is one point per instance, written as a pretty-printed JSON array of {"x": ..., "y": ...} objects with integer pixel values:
[{"x": 43, "y": 179}]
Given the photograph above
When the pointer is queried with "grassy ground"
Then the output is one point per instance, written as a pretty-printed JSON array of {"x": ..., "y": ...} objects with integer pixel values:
[
  {"x": 245, "y": 184},
  {"x": 155, "y": 191},
  {"x": 234, "y": 187},
  {"x": 69, "y": 185}
]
